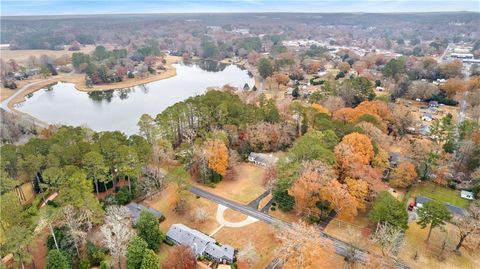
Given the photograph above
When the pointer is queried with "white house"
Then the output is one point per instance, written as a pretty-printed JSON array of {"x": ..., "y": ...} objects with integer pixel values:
[
  {"x": 466, "y": 195},
  {"x": 262, "y": 159}
]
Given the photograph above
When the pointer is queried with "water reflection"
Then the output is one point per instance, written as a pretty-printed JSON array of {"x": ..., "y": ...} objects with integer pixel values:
[
  {"x": 100, "y": 96},
  {"x": 211, "y": 65}
]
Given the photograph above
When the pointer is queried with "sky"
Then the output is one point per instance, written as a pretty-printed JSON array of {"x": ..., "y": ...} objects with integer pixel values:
[{"x": 67, "y": 7}]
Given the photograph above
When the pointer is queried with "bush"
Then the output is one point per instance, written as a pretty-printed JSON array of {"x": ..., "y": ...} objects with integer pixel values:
[
  {"x": 57, "y": 259},
  {"x": 284, "y": 200},
  {"x": 123, "y": 196},
  {"x": 104, "y": 265},
  {"x": 64, "y": 241},
  {"x": 53, "y": 203},
  {"x": 340, "y": 75},
  {"x": 148, "y": 229},
  {"x": 169, "y": 242},
  {"x": 95, "y": 255}
]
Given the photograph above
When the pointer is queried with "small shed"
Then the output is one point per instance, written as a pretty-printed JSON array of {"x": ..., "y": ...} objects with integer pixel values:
[
  {"x": 135, "y": 210},
  {"x": 466, "y": 195}
]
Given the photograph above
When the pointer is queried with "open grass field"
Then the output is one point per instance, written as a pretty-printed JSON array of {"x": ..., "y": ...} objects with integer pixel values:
[
  {"x": 165, "y": 203},
  {"x": 21, "y": 56},
  {"x": 430, "y": 255},
  {"x": 260, "y": 234},
  {"x": 244, "y": 188},
  {"x": 439, "y": 193}
]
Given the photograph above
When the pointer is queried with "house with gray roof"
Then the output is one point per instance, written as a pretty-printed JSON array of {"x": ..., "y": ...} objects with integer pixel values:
[
  {"x": 262, "y": 159},
  {"x": 135, "y": 210},
  {"x": 201, "y": 244},
  {"x": 454, "y": 210}
]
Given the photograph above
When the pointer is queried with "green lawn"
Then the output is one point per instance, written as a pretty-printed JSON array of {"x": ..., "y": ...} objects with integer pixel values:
[{"x": 439, "y": 193}]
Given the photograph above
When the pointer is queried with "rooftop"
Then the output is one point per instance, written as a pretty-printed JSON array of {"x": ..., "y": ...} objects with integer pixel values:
[
  {"x": 135, "y": 210},
  {"x": 453, "y": 209}
]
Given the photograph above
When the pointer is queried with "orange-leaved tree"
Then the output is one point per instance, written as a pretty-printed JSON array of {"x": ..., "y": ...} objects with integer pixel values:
[
  {"x": 320, "y": 108},
  {"x": 358, "y": 188},
  {"x": 303, "y": 246},
  {"x": 403, "y": 175},
  {"x": 361, "y": 148},
  {"x": 344, "y": 204},
  {"x": 217, "y": 156}
]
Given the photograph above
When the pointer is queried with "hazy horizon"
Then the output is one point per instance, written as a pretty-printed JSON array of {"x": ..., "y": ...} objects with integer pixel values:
[{"x": 97, "y": 7}]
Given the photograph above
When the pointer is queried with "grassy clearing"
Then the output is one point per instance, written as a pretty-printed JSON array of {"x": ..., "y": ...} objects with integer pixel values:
[
  {"x": 244, "y": 188},
  {"x": 165, "y": 203},
  {"x": 260, "y": 234},
  {"x": 430, "y": 255},
  {"x": 439, "y": 193}
]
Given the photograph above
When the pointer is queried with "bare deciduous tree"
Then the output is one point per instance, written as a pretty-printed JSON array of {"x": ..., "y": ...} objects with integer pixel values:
[
  {"x": 117, "y": 231},
  {"x": 304, "y": 247},
  {"x": 389, "y": 237},
  {"x": 468, "y": 224},
  {"x": 78, "y": 222},
  {"x": 248, "y": 254},
  {"x": 200, "y": 215}
]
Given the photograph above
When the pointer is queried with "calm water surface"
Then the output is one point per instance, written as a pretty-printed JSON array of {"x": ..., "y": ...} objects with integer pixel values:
[{"x": 121, "y": 109}]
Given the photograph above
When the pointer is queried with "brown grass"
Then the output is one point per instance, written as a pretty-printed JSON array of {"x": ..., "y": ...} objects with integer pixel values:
[
  {"x": 165, "y": 203},
  {"x": 428, "y": 254},
  {"x": 21, "y": 56},
  {"x": 244, "y": 188},
  {"x": 233, "y": 216},
  {"x": 260, "y": 234}
]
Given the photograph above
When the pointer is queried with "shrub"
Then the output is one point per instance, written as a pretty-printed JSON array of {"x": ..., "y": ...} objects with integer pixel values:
[
  {"x": 56, "y": 259},
  {"x": 95, "y": 255},
  {"x": 123, "y": 196},
  {"x": 149, "y": 230}
]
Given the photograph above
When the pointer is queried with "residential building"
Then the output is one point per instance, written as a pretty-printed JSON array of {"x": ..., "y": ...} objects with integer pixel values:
[
  {"x": 262, "y": 159},
  {"x": 201, "y": 244},
  {"x": 466, "y": 194},
  {"x": 454, "y": 210}
]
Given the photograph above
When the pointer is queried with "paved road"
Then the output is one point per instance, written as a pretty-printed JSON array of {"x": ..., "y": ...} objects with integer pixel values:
[
  {"x": 5, "y": 102},
  {"x": 342, "y": 248},
  {"x": 256, "y": 202},
  {"x": 237, "y": 206}
]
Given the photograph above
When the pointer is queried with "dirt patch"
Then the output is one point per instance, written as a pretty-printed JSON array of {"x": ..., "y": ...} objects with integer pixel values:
[{"x": 39, "y": 251}]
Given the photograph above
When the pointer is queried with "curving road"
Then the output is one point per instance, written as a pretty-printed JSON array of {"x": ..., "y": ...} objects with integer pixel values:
[
  {"x": 342, "y": 248},
  {"x": 4, "y": 103}
]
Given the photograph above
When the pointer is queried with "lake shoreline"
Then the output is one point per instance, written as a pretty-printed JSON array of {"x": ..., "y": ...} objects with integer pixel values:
[{"x": 79, "y": 83}]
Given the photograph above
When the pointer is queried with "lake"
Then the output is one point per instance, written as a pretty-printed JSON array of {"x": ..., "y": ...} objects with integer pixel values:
[{"x": 121, "y": 109}]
